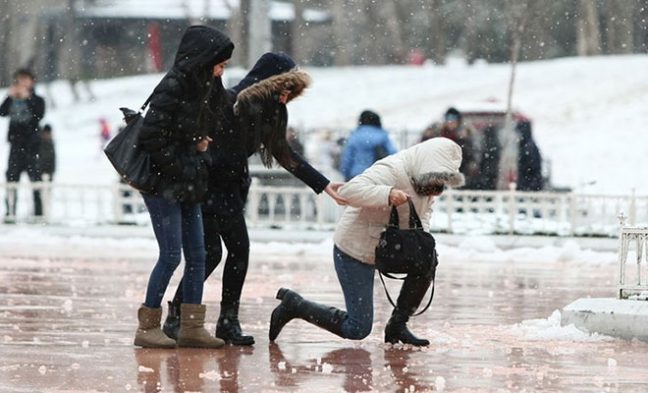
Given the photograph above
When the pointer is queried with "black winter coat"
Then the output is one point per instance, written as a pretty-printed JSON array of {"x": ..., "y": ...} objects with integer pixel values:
[
  {"x": 24, "y": 133},
  {"x": 529, "y": 160},
  {"x": 171, "y": 130},
  {"x": 229, "y": 178}
]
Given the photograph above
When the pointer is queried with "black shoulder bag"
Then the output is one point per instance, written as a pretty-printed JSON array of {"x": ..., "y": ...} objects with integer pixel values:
[
  {"x": 406, "y": 251},
  {"x": 124, "y": 152}
]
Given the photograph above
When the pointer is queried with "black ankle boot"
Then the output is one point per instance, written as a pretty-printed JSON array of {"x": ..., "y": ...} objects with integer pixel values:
[
  {"x": 294, "y": 306},
  {"x": 284, "y": 312},
  {"x": 228, "y": 328},
  {"x": 172, "y": 321},
  {"x": 396, "y": 330}
]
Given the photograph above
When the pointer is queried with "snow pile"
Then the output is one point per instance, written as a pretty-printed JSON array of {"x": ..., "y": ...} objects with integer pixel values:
[{"x": 549, "y": 329}]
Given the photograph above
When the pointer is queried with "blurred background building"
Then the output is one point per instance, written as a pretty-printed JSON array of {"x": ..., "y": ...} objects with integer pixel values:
[{"x": 84, "y": 39}]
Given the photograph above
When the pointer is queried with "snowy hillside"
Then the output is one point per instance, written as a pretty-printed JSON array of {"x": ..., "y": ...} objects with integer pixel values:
[{"x": 590, "y": 114}]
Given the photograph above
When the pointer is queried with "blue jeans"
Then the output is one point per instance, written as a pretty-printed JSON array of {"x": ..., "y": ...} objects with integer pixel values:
[
  {"x": 357, "y": 280},
  {"x": 178, "y": 228}
]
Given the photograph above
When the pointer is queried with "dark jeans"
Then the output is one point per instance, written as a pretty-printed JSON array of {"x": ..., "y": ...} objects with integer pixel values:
[
  {"x": 178, "y": 227},
  {"x": 233, "y": 231},
  {"x": 21, "y": 160},
  {"x": 357, "y": 281}
]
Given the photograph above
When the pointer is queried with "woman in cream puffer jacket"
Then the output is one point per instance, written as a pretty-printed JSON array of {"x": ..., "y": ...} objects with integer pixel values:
[{"x": 420, "y": 172}]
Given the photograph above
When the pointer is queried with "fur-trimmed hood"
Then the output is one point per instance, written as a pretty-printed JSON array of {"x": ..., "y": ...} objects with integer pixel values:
[
  {"x": 295, "y": 80},
  {"x": 435, "y": 160}
]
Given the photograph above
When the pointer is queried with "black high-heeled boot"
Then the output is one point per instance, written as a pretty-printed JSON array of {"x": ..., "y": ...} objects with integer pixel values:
[
  {"x": 396, "y": 330},
  {"x": 228, "y": 327},
  {"x": 294, "y": 306}
]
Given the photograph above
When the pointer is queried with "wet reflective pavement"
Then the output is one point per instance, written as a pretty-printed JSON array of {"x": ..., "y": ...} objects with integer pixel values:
[{"x": 67, "y": 324}]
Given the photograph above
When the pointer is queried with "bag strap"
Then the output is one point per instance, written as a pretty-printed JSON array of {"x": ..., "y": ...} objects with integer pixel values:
[
  {"x": 393, "y": 217},
  {"x": 148, "y": 100},
  {"x": 414, "y": 220},
  {"x": 394, "y": 304}
]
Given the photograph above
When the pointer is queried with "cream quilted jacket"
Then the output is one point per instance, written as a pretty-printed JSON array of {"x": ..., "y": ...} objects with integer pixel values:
[{"x": 363, "y": 220}]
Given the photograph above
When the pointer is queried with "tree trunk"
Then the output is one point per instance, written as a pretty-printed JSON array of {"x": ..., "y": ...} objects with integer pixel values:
[
  {"x": 437, "y": 30},
  {"x": 5, "y": 39},
  {"x": 588, "y": 30},
  {"x": 619, "y": 26},
  {"x": 297, "y": 44},
  {"x": 342, "y": 33}
]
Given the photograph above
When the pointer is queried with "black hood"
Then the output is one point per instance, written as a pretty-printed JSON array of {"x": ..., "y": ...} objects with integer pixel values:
[
  {"x": 202, "y": 47},
  {"x": 524, "y": 131},
  {"x": 270, "y": 64}
]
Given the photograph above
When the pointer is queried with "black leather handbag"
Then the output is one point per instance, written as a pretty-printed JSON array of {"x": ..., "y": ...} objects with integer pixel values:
[
  {"x": 124, "y": 152},
  {"x": 406, "y": 251}
]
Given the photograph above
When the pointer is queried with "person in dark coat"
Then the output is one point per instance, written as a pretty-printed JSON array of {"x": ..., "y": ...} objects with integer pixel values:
[
  {"x": 175, "y": 130},
  {"x": 25, "y": 110},
  {"x": 259, "y": 125},
  {"x": 47, "y": 154},
  {"x": 489, "y": 163},
  {"x": 529, "y": 160}
]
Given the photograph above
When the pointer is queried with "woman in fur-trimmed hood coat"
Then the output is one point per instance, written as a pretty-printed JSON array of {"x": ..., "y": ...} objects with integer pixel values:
[
  {"x": 259, "y": 125},
  {"x": 420, "y": 172},
  {"x": 358, "y": 231}
]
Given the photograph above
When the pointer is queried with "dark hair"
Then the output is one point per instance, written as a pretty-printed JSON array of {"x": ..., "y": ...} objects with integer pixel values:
[
  {"x": 214, "y": 96},
  {"x": 453, "y": 113},
  {"x": 370, "y": 118},
  {"x": 24, "y": 72},
  {"x": 264, "y": 124}
]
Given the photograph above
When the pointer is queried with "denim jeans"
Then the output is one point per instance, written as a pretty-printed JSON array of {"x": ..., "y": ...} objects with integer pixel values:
[
  {"x": 357, "y": 281},
  {"x": 178, "y": 228}
]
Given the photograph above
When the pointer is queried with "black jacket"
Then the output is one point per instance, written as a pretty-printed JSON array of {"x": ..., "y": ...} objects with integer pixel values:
[
  {"x": 229, "y": 178},
  {"x": 529, "y": 160},
  {"x": 171, "y": 129},
  {"x": 24, "y": 132}
]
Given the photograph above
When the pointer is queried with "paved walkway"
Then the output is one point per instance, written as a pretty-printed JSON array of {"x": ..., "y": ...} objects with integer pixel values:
[{"x": 67, "y": 323}]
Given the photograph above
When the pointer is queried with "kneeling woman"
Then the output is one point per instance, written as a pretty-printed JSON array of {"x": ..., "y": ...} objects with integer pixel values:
[{"x": 420, "y": 172}]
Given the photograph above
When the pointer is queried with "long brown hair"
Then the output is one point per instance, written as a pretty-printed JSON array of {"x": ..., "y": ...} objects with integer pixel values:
[{"x": 265, "y": 124}]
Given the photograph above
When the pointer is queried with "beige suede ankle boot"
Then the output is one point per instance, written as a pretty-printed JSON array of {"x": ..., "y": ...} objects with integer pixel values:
[
  {"x": 149, "y": 334},
  {"x": 192, "y": 331}
]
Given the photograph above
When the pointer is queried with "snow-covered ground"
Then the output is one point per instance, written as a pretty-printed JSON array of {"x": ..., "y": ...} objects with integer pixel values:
[{"x": 589, "y": 113}]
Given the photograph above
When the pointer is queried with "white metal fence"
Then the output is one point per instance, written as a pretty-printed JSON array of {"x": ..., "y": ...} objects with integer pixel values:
[
  {"x": 473, "y": 212},
  {"x": 633, "y": 281}
]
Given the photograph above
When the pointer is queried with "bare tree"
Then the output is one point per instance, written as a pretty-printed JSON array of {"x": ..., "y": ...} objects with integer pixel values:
[
  {"x": 343, "y": 37},
  {"x": 619, "y": 31},
  {"x": 588, "y": 29},
  {"x": 518, "y": 15}
]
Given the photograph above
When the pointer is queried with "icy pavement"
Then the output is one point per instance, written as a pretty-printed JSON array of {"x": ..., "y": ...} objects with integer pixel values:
[{"x": 67, "y": 322}]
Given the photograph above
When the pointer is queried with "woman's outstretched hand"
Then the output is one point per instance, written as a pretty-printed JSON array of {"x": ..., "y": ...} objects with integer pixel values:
[{"x": 332, "y": 190}]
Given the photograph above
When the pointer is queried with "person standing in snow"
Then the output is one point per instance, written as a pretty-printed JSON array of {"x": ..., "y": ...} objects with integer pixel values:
[
  {"x": 255, "y": 122},
  {"x": 25, "y": 110},
  {"x": 453, "y": 128},
  {"x": 529, "y": 159},
  {"x": 47, "y": 153},
  {"x": 420, "y": 172},
  {"x": 175, "y": 134},
  {"x": 367, "y": 144}
]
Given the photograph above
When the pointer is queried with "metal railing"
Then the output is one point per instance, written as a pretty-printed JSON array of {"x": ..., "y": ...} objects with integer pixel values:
[
  {"x": 456, "y": 211},
  {"x": 632, "y": 282}
]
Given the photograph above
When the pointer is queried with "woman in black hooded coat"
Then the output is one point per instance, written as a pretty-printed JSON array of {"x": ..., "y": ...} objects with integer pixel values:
[
  {"x": 259, "y": 125},
  {"x": 174, "y": 133}
]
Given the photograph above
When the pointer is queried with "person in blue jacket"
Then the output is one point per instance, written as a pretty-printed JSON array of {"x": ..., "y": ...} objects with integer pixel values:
[{"x": 367, "y": 144}]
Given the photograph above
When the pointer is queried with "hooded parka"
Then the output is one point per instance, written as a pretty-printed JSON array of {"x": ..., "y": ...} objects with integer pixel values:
[
  {"x": 435, "y": 160},
  {"x": 171, "y": 128}
]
